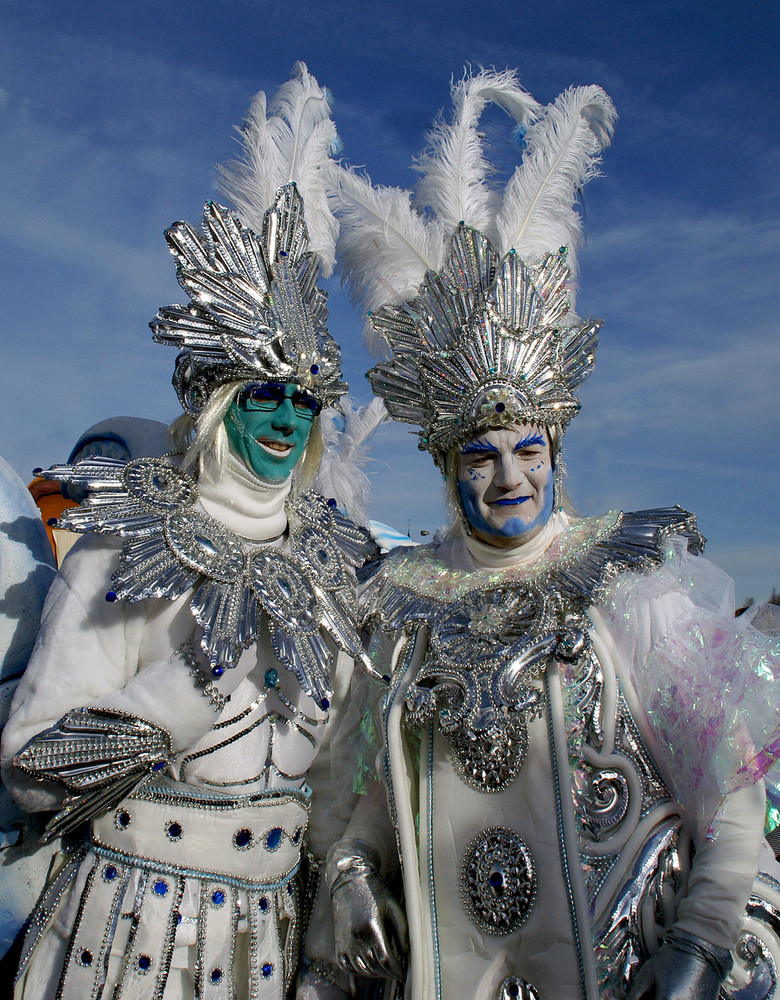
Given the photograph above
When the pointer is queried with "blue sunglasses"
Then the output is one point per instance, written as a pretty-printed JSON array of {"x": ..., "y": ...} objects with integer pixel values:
[{"x": 271, "y": 395}]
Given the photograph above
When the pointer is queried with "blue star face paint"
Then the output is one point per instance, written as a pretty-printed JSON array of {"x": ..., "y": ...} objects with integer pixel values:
[
  {"x": 269, "y": 431},
  {"x": 505, "y": 482}
]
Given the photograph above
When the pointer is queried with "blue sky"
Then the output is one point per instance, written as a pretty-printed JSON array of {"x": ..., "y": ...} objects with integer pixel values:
[{"x": 113, "y": 115}]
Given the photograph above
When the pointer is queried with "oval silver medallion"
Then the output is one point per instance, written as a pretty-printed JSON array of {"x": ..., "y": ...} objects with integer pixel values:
[
  {"x": 285, "y": 593},
  {"x": 205, "y": 545},
  {"x": 159, "y": 484},
  {"x": 498, "y": 880},
  {"x": 322, "y": 554}
]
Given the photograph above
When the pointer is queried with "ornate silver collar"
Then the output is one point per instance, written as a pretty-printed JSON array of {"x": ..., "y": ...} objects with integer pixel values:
[
  {"x": 493, "y": 632},
  {"x": 170, "y": 545}
]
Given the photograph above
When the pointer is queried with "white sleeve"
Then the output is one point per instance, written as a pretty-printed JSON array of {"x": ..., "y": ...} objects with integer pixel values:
[
  {"x": 723, "y": 871},
  {"x": 87, "y": 654}
]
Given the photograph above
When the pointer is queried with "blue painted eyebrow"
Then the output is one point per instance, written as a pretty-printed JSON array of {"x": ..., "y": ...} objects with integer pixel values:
[
  {"x": 478, "y": 448},
  {"x": 534, "y": 439}
]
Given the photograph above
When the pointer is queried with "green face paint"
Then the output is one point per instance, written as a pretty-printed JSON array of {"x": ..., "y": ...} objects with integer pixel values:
[{"x": 268, "y": 426}]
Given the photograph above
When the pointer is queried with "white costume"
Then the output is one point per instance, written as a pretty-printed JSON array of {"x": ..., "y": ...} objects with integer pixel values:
[
  {"x": 182, "y": 688},
  {"x": 561, "y": 722},
  {"x": 202, "y": 861},
  {"x": 575, "y": 820}
]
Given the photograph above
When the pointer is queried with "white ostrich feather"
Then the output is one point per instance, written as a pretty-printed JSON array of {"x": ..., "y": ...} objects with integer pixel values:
[
  {"x": 385, "y": 246},
  {"x": 563, "y": 151},
  {"x": 345, "y": 434},
  {"x": 455, "y": 174},
  {"x": 289, "y": 140}
]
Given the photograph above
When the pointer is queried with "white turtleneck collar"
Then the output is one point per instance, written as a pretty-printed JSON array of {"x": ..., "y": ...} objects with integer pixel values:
[
  {"x": 466, "y": 552},
  {"x": 232, "y": 494}
]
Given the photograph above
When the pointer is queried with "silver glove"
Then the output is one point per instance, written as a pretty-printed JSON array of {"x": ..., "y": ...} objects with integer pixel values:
[
  {"x": 685, "y": 968},
  {"x": 369, "y": 925}
]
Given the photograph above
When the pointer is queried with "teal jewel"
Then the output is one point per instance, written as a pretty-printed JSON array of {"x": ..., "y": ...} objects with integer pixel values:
[{"x": 272, "y": 678}]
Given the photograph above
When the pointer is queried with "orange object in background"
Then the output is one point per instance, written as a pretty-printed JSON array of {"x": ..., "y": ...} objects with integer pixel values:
[{"x": 51, "y": 504}]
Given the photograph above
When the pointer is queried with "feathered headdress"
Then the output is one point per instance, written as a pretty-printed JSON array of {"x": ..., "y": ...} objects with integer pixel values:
[
  {"x": 468, "y": 289},
  {"x": 256, "y": 310}
]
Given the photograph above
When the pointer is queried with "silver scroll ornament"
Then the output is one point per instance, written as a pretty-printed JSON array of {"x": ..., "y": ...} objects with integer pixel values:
[{"x": 170, "y": 545}]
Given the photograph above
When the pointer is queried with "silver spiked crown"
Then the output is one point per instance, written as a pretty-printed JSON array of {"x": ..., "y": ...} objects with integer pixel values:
[
  {"x": 481, "y": 330},
  {"x": 256, "y": 311}
]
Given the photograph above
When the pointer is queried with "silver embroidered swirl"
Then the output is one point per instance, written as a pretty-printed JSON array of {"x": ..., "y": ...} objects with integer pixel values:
[{"x": 486, "y": 650}]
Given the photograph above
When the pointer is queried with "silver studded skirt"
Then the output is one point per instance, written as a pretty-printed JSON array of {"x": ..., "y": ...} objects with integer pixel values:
[{"x": 179, "y": 893}]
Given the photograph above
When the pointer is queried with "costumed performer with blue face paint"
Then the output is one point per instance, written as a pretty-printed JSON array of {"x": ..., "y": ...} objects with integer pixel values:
[
  {"x": 196, "y": 652},
  {"x": 575, "y": 727}
]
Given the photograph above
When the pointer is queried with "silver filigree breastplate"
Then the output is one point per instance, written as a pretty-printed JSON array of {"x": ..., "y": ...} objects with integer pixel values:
[{"x": 489, "y": 645}]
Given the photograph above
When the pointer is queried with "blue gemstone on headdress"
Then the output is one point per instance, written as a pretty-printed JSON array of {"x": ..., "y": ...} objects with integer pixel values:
[
  {"x": 218, "y": 897},
  {"x": 513, "y": 990},
  {"x": 332, "y": 502},
  {"x": 496, "y": 879},
  {"x": 174, "y": 830},
  {"x": 325, "y": 704},
  {"x": 111, "y": 596},
  {"x": 37, "y": 470},
  {"x": 85, "y": 957},
  {"x": 315, "y": 369},
  {"x": 273, "y": 838},
  {"x": 216, "y": 975},
  {"x": 144, "y": 962},
  {"x": 161, "y": 887},
  {"x": 386, "y": 678},
  {"x": 123, "y": 818},
  {"x": 263, "y": 904},
  {"x": 272, "y": 678},
  {"x": 110, "y": 873},
  {"x": 159, "y": 765},
  {"x": 268, "y": 970},
  {"x": 217, "y": 671},
  {"x": 500, "y": 407}
]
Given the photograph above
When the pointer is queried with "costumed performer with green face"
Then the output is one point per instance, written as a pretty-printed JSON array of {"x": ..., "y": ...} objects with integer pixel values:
[
  {"x": 575, "y": 728},
  {"x": 191, "y": 675}
]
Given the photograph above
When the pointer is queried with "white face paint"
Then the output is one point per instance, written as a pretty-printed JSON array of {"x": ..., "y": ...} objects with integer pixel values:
[{"x": 505, "y": 481}]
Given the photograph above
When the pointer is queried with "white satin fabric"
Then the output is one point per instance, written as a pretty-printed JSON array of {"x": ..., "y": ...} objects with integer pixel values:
[{"x": 438, "y": 816}]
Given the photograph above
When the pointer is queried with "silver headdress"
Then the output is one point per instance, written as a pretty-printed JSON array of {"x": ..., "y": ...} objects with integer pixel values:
[
  {"x": 256, "y": 310},
  {"x": 481, "y": 329}
]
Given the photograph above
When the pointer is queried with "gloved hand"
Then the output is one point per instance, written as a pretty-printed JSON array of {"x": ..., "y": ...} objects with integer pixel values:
[
  {"x": 369, "y": 925},
  {"x": 685, "y": 968}
]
